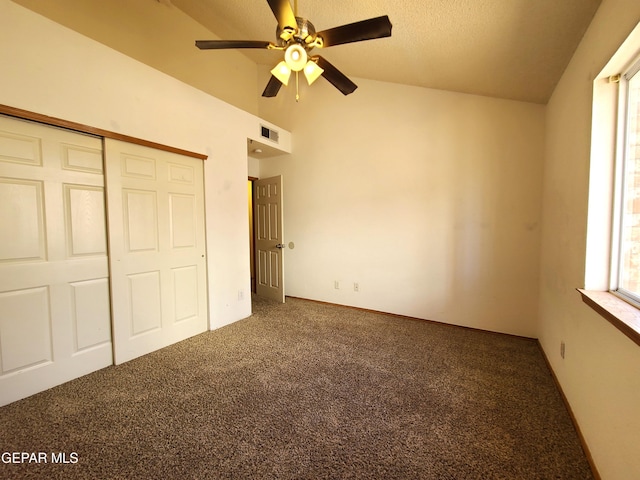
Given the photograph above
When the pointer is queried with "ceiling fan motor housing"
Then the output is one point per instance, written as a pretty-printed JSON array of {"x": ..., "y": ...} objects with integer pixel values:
[{"x": 305, "y": 30}]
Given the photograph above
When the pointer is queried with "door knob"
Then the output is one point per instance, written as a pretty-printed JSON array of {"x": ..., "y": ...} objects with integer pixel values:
[{"x": 280, "y": 245}]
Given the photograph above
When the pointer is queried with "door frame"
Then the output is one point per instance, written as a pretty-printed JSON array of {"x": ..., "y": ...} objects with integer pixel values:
[
  {"x": 82, "y": 128},
  {"x": 252, "y": 240}
]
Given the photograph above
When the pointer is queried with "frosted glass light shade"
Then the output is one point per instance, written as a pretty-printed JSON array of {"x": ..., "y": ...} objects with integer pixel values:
[
  {"x": 282, "y": 72},
  {"x": 312, "y": 71}
]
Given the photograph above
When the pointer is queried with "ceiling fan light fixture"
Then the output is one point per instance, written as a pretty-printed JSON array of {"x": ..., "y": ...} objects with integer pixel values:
[
  {"x": 295, "y": 57},
  {"x": 282, "y": 72},
  {"x": 297, "y": 37},
  {"x": 312, "y": 71}
]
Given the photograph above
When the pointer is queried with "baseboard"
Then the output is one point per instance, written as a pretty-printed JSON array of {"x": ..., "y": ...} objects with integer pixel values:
[
  {"x": 583, "y": 442},
  {"x": 416, "y": 319}
]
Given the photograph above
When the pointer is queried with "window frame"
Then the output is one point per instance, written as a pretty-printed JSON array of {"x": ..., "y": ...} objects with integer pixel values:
[
  {"x": 601, "y": 215},
  {"x": 619, "y": 191}
]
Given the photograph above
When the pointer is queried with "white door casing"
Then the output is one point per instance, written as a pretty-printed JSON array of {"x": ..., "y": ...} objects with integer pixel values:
[
  {"x": 54, "y": 290},
  {"x": 157, "y": 247},
  {"x": 268, "y": 216}
]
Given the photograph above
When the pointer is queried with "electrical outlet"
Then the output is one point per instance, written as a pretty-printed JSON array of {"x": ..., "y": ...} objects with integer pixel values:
[
  {"x": 562, "y": 349},
  {"x": 240, "y": 295},
  {"x": 336, "y": 285},
  {"x": 356, "y": 287}
]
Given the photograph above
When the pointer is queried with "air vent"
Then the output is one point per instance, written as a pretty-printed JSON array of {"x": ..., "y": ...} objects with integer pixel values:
[{"x": 268, "y": 133}]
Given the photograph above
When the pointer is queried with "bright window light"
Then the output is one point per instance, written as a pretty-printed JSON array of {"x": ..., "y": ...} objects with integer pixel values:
[{"x": 626, "y": 267}]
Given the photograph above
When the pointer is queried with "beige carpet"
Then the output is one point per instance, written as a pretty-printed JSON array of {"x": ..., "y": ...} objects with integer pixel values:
[{"x": 307, "y": 391}]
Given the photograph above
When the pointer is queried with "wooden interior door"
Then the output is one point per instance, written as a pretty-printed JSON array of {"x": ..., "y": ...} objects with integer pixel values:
[
  {"x": 55, "y": 321},
  {"x": 157, "y": 248},
  {"x": 269, "y": 240}
]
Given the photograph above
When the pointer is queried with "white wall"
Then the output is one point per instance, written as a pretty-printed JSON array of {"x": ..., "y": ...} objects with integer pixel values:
[
  {"x": 600, "y": 374},
  {"x": 54, "y": 71},
  {"x": 254, "y": 167},
  {"x": 160, "y": 35},
  {"x": 429, "y": 200}
]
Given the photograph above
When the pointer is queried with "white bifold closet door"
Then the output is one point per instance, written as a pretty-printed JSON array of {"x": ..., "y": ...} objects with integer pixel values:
[
  {"x": 68, "y": 304},
  {"x": 55, "y": 321},
  {"x": 157, "y": 248}
]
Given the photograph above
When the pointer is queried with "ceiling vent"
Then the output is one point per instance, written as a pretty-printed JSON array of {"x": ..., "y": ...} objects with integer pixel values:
[{"x": 268, "y": 133}]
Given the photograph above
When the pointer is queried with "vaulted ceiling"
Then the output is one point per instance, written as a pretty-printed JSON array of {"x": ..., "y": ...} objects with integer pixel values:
[{"x": 514, "y": 49}]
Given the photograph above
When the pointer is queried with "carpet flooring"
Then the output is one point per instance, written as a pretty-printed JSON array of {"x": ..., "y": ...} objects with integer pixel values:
[{"x": 306, "y": 390}]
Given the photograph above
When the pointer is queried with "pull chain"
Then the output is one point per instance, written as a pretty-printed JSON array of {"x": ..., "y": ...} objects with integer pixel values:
[{"x": 297, "y": 92}]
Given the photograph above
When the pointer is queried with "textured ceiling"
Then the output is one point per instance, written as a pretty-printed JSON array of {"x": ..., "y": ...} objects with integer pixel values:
[{"x": 514, "y": 49}]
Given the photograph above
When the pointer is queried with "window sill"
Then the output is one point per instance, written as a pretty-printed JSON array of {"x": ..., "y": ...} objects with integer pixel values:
[{"x": 624, "y": 316}]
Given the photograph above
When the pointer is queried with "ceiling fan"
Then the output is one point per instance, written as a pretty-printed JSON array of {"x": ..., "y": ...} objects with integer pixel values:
[{"x": 297, "y": 36}]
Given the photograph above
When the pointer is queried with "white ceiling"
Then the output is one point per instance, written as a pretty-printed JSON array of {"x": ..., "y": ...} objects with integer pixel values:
[{"x": 514, "y": 49}]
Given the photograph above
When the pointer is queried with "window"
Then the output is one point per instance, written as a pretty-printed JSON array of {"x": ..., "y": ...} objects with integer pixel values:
[
  {"x": 612, "y": 262},
  {"x": 625, "y": 268}
]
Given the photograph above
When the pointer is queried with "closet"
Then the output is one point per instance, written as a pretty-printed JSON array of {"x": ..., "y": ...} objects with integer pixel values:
[{"x": 102, "y": 253}]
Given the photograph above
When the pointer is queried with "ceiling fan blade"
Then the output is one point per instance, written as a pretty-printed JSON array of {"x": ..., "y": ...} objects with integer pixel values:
[
  {"x": 222, "y": 44},
  {"x": 272, "y": 88},
  {"x": 284, "y": 14},
  {"x": 355, "y": 32},
  {"x": 335, "y": 76}
]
